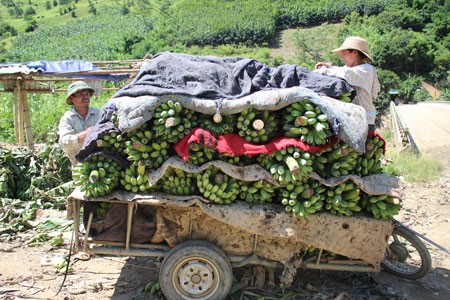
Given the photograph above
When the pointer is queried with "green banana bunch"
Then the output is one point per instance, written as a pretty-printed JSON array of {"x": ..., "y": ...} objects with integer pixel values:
[
  {"x": 113, "y": 141},
  {"x": 304, "y": 198},
  {"x": 200, "y": 154},
  {"x": 102, "y": 209},
  {"x": 172, "y": 122},
  {"x": 257, "y": 126},
  {"x": 343, "y": 199},
  {"x": 217, "y": 186},
  {"x": 221, "y": 126},
  {"x": 115, "y": 119},
  {"x": 257, "y": 192},
  {"x": 231, "y": 159},
  {"x": 96, "y": 177},
  {"x": 135, "y": 179},
  {"x": 287, "y": 165},
  {"x": 306, "y": 121},
  {"x": 370, "y": 162},
  {"x": 338, "y": 160},
  {"x": 142, "y": 146},
  {"x": 381, "y": 206},
  {"x": 346, "y": 97},
  {"x": 179, "y": 183}
]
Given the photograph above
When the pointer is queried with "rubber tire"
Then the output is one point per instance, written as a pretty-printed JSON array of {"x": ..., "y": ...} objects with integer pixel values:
[
  {"x": 212, "y": 260},
  {"x": 419, "y": 246}
]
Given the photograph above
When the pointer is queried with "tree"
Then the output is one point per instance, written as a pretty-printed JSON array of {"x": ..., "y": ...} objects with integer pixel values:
[
  {"x": 410, "y": 86},
  {"x": 29, "y": 12},
  {"x": 405, "y": 51},
  {"x": 92, "y": 8}
]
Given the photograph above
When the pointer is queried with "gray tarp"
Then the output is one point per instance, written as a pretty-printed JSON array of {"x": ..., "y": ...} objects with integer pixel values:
[{"x": 214, "y": 77}]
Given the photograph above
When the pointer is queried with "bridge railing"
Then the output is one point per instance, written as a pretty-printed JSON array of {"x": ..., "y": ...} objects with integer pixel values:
[{"x": 402, "y": 137}]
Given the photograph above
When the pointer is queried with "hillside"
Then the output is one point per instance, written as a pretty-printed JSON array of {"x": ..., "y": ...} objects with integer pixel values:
[{"x": 274, "y": 32}]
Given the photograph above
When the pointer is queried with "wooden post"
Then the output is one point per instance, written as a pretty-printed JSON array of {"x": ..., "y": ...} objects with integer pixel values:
[
  {"x": 18, "y": 93},
  {"x": 16, "y": 115},
  {"x": 26, "y": 115}
]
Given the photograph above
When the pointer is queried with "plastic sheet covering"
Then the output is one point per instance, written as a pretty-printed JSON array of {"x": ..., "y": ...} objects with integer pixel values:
[
  {"x": 348, "y": 120},
  {"x": 376, "y": 184}
]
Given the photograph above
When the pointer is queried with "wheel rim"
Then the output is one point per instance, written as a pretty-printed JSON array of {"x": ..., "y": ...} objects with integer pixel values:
[
  {"x": 402, "y": 256},
  {"x": 196, "y": 277}
]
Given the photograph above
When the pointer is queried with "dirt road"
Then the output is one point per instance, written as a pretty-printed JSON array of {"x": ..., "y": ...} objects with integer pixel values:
[{"x": 429, "y": 124}]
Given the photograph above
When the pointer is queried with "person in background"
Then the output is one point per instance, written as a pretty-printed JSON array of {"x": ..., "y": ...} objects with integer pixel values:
[
  {"x": 76, "y": 123},
  {"x": 358, "y": 72}
]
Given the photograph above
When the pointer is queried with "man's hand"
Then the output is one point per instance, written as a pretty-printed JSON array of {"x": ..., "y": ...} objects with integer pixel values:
[{"x": 82, "y": 135}]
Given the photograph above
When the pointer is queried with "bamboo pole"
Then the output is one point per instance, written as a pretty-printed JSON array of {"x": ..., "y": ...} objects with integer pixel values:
[
  {"x": 16, "y": 115},
  {"x": 26, "y": 115},
  {"x": 20, "y": 129}
]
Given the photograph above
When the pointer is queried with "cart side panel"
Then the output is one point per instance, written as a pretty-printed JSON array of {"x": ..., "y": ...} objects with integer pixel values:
[{"x": 175, "y": 225}]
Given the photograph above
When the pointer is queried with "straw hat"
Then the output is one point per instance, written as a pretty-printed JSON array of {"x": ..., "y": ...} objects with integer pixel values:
[
  {"x": 354, "y": 43},
  {"x": 75, "y": 87}
]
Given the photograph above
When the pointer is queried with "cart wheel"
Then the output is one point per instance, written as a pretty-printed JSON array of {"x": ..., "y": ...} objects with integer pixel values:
[
  {"x": 196, "y": 270},
  {"x": 406, "y": 255}
]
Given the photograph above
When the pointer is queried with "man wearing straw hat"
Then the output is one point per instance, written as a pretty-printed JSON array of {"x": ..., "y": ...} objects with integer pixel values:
[
  {"x": 76, "y": 123},
  {"x": 361, "y": 75}
]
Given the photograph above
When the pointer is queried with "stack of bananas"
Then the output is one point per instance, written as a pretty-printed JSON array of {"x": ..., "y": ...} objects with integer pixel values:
[
  {"x": 306, "y": 121},
  {"x": 290, "y": 164},
  {"x": 96, "y": 177},
  {"x": 172, "y": 122},
  {"x": 303, "y": 199},
  {"x": 113, "y": 141},
  {"x": 338, "y": 160},
  {"x": 134, "y": 178},
  {"x": 217, "y": 186},
  {"x": 346, "y": 97},
  {"x": 200, "y": 154},
  {"x": 219, "y": 125},
  {"x": 256, "y": 192},
  {"x": 343, "y": 199},
  {"x": 370, "y": 162},
  {"x": 141, "y": 146},
  {"x": 102, "y": 209},
  {"x": 381, "y": 206},
  {"x": 257, "y": 126},
  {"x": 179, "y": 183}
]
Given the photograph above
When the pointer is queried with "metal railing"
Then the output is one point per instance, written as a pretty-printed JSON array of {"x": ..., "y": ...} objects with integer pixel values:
[{"x": 402, "y": 137}]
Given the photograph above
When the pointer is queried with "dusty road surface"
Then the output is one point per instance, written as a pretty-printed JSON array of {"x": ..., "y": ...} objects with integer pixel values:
[
  {"x": 30, "y": 273},
  {"x": 429, "y": 124}
]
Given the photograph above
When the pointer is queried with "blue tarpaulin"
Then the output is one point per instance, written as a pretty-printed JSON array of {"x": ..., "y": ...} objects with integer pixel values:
[{"x": 66, "y": 67}]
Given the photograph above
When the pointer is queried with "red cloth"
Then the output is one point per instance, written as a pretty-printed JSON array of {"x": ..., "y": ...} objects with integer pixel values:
[
  {"x": 236, "y": 145},
  {"x": 376, "y": 134}
]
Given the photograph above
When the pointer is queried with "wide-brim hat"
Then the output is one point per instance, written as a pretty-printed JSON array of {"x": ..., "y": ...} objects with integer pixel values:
[
  {"x": 355, "y": 43},
  {"x": 75, "y": 87}
]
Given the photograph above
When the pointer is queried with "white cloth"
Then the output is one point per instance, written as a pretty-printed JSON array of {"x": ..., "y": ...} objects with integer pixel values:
[
  {"x": 363, "y": 78},
  {"x": 70, "y": 125}
]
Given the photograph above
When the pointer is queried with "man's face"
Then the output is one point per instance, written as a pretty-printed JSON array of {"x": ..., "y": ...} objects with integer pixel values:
[{"x": 81, "y": 98}]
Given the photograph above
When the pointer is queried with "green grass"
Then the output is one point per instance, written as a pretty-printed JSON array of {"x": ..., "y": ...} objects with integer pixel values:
[{"x": 414, "y": 168}]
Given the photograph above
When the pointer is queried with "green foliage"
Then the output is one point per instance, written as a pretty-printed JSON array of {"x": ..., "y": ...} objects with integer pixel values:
[
  {"x": 410, "y": 86},
  {"x": 388, "y": 80},
  {"x": 444, "y": 96},
  {"x": 206, "y": 22},
  {"x": 93, "y": 38},
  {"x": 312, "y": 46}
]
